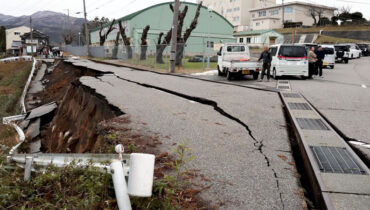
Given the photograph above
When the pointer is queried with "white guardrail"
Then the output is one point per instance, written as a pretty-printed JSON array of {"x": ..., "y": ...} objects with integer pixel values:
[
  {"x": 18, "y": 58},
  {"x": 138, "y": 167}
]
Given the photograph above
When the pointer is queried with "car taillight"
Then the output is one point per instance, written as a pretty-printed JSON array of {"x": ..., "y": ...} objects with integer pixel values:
[{"x": 244, "y": 59}]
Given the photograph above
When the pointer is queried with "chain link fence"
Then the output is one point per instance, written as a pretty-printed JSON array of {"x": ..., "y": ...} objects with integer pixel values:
[{"x": 189, "y": 57}]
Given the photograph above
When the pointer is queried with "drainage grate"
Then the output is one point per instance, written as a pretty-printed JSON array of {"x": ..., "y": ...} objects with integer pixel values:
[
  {"x": 336, "y": 160},
  {"x": 283, "y": 87},
  {"x": 299, "y": 106},
  {"x": 292, "y": 95},
  {"x": 312, "y": 124},
  {"x": 283, "y": 81}
]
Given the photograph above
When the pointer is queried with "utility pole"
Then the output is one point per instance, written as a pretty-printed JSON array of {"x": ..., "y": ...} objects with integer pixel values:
[
  {"x": 87, "y": 35},
  {"x": 283, "y": 11},
  {"x": 31, "y": 36},
  {"x": 174, "y": 36}
]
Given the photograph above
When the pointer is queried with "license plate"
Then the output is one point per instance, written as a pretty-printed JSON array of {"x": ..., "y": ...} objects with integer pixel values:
[
  {"x": 246, "y": 71},
  {"x": 325, "y": 64}
]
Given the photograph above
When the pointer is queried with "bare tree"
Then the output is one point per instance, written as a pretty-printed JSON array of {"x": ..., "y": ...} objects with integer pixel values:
[
  {"x": 115, "y": 49},
  {"x": 316, "y": 14},
  {"x": 181, "y": 39},
  {"x": 104, "y": 36},
  {"x": 68, "y": 37},
  {"x": 126, "y": 40},
  {"x": 144, "y": 43}
]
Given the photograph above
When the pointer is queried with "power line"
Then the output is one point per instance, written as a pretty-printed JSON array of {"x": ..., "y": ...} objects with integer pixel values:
[{"x": 354, "y": 2}]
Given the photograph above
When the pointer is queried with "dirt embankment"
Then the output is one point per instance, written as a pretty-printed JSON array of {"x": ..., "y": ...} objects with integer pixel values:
[{"x": 80, "y": 109}]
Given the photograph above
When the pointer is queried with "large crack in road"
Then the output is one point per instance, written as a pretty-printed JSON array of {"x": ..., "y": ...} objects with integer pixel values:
[{"x": 258, "y": 144}]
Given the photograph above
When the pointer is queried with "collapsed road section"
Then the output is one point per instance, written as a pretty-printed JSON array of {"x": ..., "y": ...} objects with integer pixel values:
[{"x": 242, "y": 154}]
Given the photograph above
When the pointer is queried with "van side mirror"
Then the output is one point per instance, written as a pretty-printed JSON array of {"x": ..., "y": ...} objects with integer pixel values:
[{"x": 219, "y": 53}]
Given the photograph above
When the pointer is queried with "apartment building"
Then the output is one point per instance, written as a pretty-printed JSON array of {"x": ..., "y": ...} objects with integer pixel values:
[
  {"x": 271, "y": 17},
  {"x": 237, "y": 11}
]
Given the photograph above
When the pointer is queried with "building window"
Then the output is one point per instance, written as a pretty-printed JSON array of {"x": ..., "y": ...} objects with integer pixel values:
[
  {"x": 253, "y": 15},
  {"x": 288, "y": 9},
  {"x": 236, "y": 18},
  {"x": 258, "y": 23},
  {"x": 210, "y": 44},
  {"x": 17, "y": 33},
  {"x": 262, "y": 13},
  {"x": 236, "y": 9},
  {"x": 274, "y": 12},
  {"x": 229, "y": 10},
  {"x": 241, "y": 40},
  {"x": 248, "y": 40}
]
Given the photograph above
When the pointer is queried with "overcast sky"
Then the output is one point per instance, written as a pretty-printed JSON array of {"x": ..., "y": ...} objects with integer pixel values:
[{"x": 119, "y": 8}]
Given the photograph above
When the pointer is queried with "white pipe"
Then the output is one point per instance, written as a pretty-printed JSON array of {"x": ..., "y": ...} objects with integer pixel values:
[
  {"x": 120, "y": 186},
  {"x": 26, "y": 87}
]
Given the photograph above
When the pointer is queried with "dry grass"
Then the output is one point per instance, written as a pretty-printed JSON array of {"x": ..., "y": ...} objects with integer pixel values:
[
  {"x": 325, "y": 28},
  {"x": 334, "y": 40}
]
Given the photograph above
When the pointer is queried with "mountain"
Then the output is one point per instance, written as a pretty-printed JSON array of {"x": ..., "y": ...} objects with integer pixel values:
[{"x": 50, "y": 23}]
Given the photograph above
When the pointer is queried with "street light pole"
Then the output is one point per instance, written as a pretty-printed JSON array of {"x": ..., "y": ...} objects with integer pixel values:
[
  {"x": 283, "y": 11},
  {"x": 87, "y": 35},
  {"x": 31, "y": 36},
  {"x": 79, "y": 38},
  {"x": 174, "y": 36}
]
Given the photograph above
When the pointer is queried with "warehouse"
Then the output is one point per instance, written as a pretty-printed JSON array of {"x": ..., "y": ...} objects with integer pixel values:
[{"x": 212, "y": 28}]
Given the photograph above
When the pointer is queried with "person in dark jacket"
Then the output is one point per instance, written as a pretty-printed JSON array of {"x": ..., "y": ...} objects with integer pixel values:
[
  {"x": 267, "y": 58},
  {"x": 320, "y": 57}
]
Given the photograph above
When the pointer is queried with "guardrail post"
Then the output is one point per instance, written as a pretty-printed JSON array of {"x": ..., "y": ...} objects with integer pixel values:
[
  {"x": 120, "y": 186},
  {"x": 27, "y": 169}
]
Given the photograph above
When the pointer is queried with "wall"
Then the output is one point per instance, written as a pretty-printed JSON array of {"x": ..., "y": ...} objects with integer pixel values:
[
  {"x": 10, "y": 37},
  {"x": 159, "y": 18}
]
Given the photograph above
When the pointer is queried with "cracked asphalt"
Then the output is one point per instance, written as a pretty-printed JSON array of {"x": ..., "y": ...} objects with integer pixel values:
[{"x": 237, "y": 135}]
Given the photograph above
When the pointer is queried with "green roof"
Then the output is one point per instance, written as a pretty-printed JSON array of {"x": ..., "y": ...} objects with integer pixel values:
[
  {"x": 132, "y": 15},
  {"x": 256, "y": 32}
]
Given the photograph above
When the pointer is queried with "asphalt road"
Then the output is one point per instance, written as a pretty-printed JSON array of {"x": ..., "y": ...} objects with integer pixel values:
[{"x": 237, "y": 135}]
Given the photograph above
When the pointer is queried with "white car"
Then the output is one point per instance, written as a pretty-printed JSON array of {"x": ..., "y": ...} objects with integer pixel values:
[
  {"x": 289, "y": 60},
  {"x": 354, "y": 51},
  {"x": 329, "y": 60}
]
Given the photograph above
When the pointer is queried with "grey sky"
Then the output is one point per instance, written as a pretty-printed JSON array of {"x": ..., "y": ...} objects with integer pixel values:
[{"x": 119, "y": 8}]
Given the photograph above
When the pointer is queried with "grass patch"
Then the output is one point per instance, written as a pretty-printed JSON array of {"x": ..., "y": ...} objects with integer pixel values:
[
  {"x": 325, "y": 28},
  {"x": 13, "y": 77},
  {"x": 322, "y": 39}
]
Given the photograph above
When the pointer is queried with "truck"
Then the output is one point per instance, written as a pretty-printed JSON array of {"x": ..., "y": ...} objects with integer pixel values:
[{"x": 234, "y": 60}]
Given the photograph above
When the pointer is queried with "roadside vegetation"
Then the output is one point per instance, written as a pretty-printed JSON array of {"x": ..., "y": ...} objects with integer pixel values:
[
  {"x": 13, "y": 76},
  {"x": 325, "y": 28},
  {"x": 322, "y": 39}
]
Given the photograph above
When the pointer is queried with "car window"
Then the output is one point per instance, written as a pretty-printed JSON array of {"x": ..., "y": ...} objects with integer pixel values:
[
  {"x": 328, "y": 51},
  {"x": 293, "y": 51},
  {"x": 235, "y": 49},
  {"x": 273, "y": 51},
  {"x": 341, "y": 48}
]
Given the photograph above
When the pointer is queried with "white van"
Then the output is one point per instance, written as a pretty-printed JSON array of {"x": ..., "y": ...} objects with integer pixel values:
[
  {"x": 289, "y": 60},
  {"x": 329, "y": 59}
]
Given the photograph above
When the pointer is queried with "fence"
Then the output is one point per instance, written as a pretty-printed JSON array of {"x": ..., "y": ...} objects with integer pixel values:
[{"x": 190, "y": 56}]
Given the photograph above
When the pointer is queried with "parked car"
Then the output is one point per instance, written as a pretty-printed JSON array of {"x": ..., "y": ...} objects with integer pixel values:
[
  {"x": 234, "y": 60},
  {"x": 289, "y": 60},
  {"x": 354, "y": 51},
  {"x": 329, "y": 60},
  {"x": 196, "y": 58},
  {"x": 342, "y": 53},
  {"x": 365, "y": 48}
]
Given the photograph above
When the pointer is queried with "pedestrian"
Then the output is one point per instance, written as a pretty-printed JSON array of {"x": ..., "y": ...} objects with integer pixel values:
[
  {"x": 266, "y": 57},
  {"x": 312, "y": 59},
  {"x": 320, "y": 57}
]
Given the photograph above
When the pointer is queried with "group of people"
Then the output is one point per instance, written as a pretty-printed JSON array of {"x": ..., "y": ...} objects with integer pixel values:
[{"x": 315, "y": 62}]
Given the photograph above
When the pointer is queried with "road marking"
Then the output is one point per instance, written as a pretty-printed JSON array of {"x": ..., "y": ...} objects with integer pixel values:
[{"x": 363, "y": 86}]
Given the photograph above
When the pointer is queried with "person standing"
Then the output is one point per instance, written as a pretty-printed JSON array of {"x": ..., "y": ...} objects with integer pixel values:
[
  {"x": 320, "y": 57},
  {"x": 267, "y": 58},
  {"x": 312, "y": 59}
]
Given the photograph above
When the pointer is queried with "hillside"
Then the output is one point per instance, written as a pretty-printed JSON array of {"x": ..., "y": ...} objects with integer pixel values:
[{"x": 48, "y": 22}]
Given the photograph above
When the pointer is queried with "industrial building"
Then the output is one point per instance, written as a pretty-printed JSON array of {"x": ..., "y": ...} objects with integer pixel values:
[{"x": 212, "y": 27}]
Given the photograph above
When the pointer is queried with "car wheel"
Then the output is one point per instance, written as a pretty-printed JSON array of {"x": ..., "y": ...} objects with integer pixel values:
[
  {"x": 332, "y": 66},
  {"x": 219, "y": 71},
  {"x": 274, "y": 74},
  {"x": 352, "y": 56},
  {"x": 228, "y": 75},
  {"x": 346, "y": 61}
]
